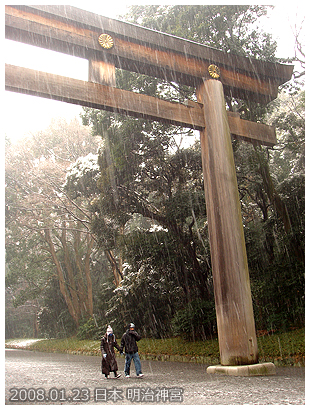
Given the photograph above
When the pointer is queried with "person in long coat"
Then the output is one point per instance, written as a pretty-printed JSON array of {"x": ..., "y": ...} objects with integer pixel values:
[{"x": 109, "y": 363}]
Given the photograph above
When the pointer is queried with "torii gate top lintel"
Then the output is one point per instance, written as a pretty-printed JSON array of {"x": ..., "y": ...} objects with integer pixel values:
[
  {"x": 77, "y": 32},
  {"x": 163, "y": 40},
  {"x": 151, "y": 50}
]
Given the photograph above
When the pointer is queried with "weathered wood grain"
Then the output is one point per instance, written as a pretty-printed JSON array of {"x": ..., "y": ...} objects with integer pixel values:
[
  {"x": 235, "y": 319},
  {"x": 102, "y": 72},
  {"x": 28, "y": 81}
]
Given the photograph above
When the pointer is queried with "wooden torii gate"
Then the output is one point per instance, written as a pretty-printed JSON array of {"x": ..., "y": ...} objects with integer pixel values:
[{"x": 108, "y": 43}]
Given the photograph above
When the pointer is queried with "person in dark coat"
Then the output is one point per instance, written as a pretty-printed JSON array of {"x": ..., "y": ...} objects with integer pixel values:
[
  {"x": 129, "y": 342},
  {"x": 109, "y": 363}
]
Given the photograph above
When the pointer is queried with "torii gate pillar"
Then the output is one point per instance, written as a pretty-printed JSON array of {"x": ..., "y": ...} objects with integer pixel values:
[{"x": 234, "y": 310}]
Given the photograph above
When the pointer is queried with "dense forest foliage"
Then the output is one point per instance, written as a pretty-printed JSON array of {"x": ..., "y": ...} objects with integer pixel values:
[{"x": 106, "y": 222}]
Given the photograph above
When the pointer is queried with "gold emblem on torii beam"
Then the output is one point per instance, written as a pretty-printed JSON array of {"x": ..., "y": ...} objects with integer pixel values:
[
  {"x": 106, "y": 41},
  {"x": 214, "y": 71}
]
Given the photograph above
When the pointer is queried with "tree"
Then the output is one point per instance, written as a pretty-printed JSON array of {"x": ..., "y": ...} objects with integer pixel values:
[
  {"x": 272, "y": 188},
  {"x": 144, "y": 171},
  {"x": 227, "y": 28},
  {"x": 139, "y": 175},
  {"x": 42, "y": 217}
]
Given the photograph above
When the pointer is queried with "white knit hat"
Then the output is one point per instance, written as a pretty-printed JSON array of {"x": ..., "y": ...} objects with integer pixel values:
[{"x": 109, "y": 330}]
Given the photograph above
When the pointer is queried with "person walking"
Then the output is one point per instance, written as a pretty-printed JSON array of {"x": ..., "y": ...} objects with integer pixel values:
[
  {"x": 108, "y": 362},
  {"x": 129, "y": 342}
]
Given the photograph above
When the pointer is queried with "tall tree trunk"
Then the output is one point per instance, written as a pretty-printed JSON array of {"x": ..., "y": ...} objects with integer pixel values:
[
  {"x": 273, "y": 196},
  {"x": 90, "y": 243},
  {"x": 80, "y": 280},
  {"x": 279, "y": 206},
  {"x": 61, "y": 278},
  {"x": 115, "y": 268},
  {"x": 70, "y": 273}
]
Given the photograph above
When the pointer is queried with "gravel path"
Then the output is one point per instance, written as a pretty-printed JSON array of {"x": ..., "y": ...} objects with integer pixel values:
[{"x": 51, "y": 378}]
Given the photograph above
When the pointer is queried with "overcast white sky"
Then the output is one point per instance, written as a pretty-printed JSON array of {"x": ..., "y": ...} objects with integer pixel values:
[{"x": 24, "y": 114}]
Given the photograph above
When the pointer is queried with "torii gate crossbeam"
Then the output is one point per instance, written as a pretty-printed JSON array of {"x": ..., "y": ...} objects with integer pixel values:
[{"x": 109, "y": 43}]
